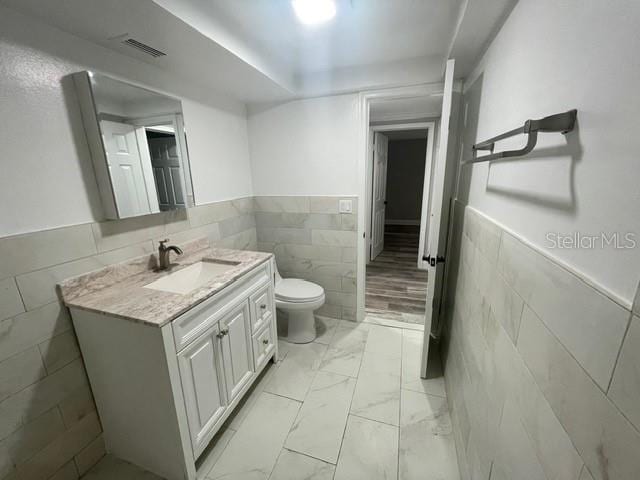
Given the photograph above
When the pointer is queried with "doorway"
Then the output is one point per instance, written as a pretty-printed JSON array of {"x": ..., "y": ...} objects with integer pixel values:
[
  {"x": 444, "y": 166},
  {"x": 396, "y": 277}
]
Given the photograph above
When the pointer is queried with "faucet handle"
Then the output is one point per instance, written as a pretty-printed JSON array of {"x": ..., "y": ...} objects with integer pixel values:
[{"x": 162, "y": 243}]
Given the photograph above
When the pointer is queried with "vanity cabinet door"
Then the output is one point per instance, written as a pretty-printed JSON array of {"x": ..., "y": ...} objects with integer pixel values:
[
  {"x": 202, "y": 387},
  {"x": 235, "y": 330}
]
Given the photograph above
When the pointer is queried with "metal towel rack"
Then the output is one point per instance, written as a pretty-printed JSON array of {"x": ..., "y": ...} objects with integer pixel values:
[{"x": 560, "y": 122}]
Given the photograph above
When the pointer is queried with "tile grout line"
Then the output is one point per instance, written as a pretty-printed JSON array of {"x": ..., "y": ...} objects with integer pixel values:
[
  {"x": 619, "y": 354},
  {"x": 344, "y": 431},
  {"x": 401, "y": 396}
]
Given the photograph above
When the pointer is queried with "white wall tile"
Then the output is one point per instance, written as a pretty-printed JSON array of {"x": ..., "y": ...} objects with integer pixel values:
[
  {"x": 484, "y": 234},
  {"x": 30, "y": 328},
  {"x": 590, "y": 325},
  {"x": 625, "y": 387},
  {"x": 324, "y": 204},
  {"x": 606, "y": 441},
  {"x": 284, "y": 235},
  {"x": 39, "y": 288},
  {"x": 510, "y": 376},
  {"x": 77, "y": 405},
  {"x": 333, "y": 237},
  {"x": 32, "y": 437},
  {"x": 516, "y": 457},
  {"x": 233, "y": 225},
  {"x": 506, "y": 305},
  {"x": 90, "y": 455},
  {"x": 246, "y": 240},
  {"x": 20, "y": 371},
  {"x": 636, "y": 302},
  {"x": 10, "y": 300},
  {"x": 67, "y": 472},
  {"x": 586, "y": 474},
  {"x": 61, "y": 450},
  {"x": 308, "y": 252},
  {"x": 295, "y": 204},
  {"x": 121, "y": 233},
  {"x": 40, "y": 397},
  {"x": 32, "y": 251},
  {"x": 59, "y": 351}
]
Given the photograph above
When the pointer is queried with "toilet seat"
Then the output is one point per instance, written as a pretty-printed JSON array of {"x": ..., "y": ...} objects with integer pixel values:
[{"x": 296, "y": 290}]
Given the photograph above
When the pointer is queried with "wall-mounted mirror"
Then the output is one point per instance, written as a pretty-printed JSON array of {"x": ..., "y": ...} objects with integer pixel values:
[{"x": 138, "y": 146}]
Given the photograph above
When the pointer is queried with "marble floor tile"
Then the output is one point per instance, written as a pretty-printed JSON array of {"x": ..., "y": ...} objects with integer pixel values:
[
  {"x": 430, "y": 409},
  {"x": 387, "y": 322},
  {"x": 319, "y": 426},
  {"x": 295, "y": 466},
  {"x": 424, "y": 455},
  {"x": 325, "y": 329},
  {"x": 296, "y": 372},
  {"x": 251, "y": 397},
  {"x": 377, "y": 397},
  {"x": 385, "y": 340},
  {"x": 369, "y": 451},
  {"x": 252, "y": 452},
  {"x": 364, "y": 408},
  {"x": 364, "y": 327},
  {"x": 343, "y": 361},
  {"x": 283, "y": 349},
  {"x": 348, "y": 336},
  {"x": 427, "y": 446},
  {"x": 213, "y": 452},
  {"x": 380, "y": 363},
  {"x": 411, "y": 360},
  {"x": 112, "y": 468},
  {"x": 345, "y": 350}
]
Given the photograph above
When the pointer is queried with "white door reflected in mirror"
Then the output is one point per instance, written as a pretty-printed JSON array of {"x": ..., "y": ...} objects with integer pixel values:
[{"x": 138, "y": 146}]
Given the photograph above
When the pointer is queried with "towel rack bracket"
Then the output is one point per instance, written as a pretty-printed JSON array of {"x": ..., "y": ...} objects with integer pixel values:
[{"x": 560, "y": 122}]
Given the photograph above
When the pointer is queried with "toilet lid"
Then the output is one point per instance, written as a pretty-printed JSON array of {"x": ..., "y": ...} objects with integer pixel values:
[{"x": 297, "y": 290}]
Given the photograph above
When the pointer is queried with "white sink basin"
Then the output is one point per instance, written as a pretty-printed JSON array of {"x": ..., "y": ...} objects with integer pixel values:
[{"x": 192, "y": 277}]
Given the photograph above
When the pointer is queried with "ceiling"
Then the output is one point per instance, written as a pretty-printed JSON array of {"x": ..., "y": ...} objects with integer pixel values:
[
  {"x": 409, "y": 108},
  {"x": 256, "y": 51},
  {"x": 363, "y": 32}
]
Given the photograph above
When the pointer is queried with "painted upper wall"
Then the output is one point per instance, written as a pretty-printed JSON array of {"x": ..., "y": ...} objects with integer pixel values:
[
  {"x": 550, "y": 57},
  {"x": 306, "y": 147},
  {"x": 405, "y": 179},
  {"x": 47, "y": 179}
]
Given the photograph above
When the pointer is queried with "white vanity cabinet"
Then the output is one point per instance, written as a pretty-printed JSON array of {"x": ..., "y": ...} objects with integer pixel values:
[
  {"x": 163, "y": 392},
  {"x": 204, "y": 394}
]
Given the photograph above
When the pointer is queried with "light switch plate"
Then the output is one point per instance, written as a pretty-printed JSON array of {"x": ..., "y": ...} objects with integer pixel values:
[{"x": 345, "y": 206}]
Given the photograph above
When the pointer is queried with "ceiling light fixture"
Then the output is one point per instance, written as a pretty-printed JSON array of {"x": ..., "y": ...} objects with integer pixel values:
[{"x": 313, "y": 12}]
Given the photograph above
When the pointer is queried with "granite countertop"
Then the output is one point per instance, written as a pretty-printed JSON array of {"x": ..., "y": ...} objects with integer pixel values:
[{"x": 119, "y": 291}]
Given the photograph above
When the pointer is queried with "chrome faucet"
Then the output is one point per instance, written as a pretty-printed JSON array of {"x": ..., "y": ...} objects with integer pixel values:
[{"x": 164, "y": 253}]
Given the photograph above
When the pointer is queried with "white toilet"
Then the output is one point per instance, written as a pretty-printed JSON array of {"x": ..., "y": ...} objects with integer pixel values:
[{"x": 298, "y": 298}]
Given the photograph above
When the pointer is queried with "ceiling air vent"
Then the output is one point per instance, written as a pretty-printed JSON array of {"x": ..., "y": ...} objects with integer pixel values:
[{"x": 133, "y": 43}]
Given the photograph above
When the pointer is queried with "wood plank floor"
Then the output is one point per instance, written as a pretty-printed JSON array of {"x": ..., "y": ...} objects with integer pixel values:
[{"x": 395, "y": 288}]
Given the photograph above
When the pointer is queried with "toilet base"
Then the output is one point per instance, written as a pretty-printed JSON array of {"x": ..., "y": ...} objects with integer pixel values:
[{"x": 301, "y": 326}]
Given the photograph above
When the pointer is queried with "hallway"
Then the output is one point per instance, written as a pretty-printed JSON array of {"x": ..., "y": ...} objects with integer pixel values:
[{"x": 395, "y": 288}]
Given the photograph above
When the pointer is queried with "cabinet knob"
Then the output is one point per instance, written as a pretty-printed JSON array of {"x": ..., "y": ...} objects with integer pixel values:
[
  {"x": 265, "y": 341},
  {"x": 263, "y": 306},
  {"x": 222, "y": 332}
]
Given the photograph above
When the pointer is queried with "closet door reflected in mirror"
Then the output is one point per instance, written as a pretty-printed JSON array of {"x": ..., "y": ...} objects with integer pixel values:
[{"x": 138, "y": 146}]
